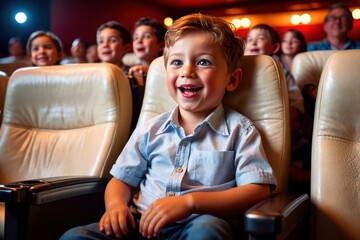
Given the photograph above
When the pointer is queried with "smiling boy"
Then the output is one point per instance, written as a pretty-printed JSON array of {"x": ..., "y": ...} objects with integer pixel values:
[{"x": 198, "y": 167}]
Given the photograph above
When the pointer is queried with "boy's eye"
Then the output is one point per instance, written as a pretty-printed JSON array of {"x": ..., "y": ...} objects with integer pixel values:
[
  {"x": 176, "y": 63},
  {"x": 204, "y": 62}
]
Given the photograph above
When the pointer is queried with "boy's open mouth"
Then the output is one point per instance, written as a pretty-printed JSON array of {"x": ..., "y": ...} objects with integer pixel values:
[{"x": 185, "y": 89}]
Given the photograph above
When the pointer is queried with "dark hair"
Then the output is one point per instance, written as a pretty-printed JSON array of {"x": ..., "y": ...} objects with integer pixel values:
[
  {"x": 274, "y": 35},
  {"x": 298, "y": 35},
  {"x": 159, "y": 29},
  {"x": 124, "y": 33},
  {"x": 221, "y": 32},
  {"x": 76, "y": 41},
  {"x": 55, "y": 40},
  {"x": 341, "y": 5}
]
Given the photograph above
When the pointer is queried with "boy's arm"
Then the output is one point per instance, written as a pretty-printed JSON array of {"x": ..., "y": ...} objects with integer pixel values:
[
  {"x": 117, "y": 214},
  {"x": 229, "y": 203}
]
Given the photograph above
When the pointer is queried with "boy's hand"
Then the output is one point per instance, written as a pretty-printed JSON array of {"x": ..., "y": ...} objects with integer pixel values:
[
  {"x": 164, "y": 211},
  {"x": 114, "y": 221}
]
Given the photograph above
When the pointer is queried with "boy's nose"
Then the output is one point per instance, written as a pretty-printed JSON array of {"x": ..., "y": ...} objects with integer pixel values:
[{"x": 188, "y": 71}]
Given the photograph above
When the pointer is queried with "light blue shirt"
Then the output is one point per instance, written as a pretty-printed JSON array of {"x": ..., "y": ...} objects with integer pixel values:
[
  {"x": 325, "y": 45},
  {"x": 224, "y": 151}
]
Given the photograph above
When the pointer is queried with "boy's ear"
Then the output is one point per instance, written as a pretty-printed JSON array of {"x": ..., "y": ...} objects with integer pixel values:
[
  {"x": 235, "y": 79},
  {"x": 276, "y": 48}
]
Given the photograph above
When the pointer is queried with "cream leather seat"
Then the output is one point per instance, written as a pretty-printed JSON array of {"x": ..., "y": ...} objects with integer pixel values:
[
  {"x": 262, "y": 97},
  {"x": 307, "y": 67},
  {"x": 68, "y": 120},
  {"x": 3, "y": 84},
  {"x": 335, "y": 173}
]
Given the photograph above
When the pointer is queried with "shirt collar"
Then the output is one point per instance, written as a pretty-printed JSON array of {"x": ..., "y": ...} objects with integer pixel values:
[{"x": 216, "y": 121}]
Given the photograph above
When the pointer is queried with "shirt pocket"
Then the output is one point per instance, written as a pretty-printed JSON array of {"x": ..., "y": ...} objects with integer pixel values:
[{"x": 211, "y": 168}]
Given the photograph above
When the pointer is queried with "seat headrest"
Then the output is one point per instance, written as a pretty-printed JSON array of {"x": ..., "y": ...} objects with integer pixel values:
[
  {"x": 42, "y": 97},
  {"x": 307, "y": 67}
]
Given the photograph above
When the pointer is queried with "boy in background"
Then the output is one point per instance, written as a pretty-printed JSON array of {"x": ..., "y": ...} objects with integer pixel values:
[
  {"x": 113, "y": 42},
  {"x": 198, "y": 167},
  {"x": 148, "y": 44}
]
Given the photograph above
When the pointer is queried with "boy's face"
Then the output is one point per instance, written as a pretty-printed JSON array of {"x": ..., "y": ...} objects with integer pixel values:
[
  {"x": 258, "y": 42},
  {"x": 145, "y": 43},
  {"x": 197, "y": 74},
  {"x": 44, "y": 52},
  {"x": 110, "y": 46}
]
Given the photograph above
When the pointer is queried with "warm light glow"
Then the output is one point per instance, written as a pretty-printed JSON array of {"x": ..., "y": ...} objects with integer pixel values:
[
  {"x": 168, "y": 21},
  {"x": 236, "y": 22},
  {"x": 356, "y": 13},
  {"x": 305, "y": 18},
  {"x": 20, "y": 17},
  {"x": 295, "y": 19},
  {"x": 244, "y": 22}
]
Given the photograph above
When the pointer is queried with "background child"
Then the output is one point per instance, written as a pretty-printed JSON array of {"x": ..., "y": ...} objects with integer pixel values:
[
  {"x": 44, "y": 48},
  {"x": 199, "y": 165},
  {"x": 78, "y": 52},
  {"x": 113, "y": 41},
  {"x": 293, "y": 43},
  {"x": 148, "y": 44},
  {"x": 16, "y": 52},
  {"x": 92, "y": 54}
]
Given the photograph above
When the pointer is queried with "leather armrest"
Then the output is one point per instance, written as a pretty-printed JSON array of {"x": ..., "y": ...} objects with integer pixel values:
[
  {"x": 69, "y": 186},
  {"x": 278, "y": 215},
  {"x": 50, "y": 206}
]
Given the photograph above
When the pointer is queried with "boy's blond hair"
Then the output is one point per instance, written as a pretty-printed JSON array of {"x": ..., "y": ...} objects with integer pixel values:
[{"x": 221, "y": 32}]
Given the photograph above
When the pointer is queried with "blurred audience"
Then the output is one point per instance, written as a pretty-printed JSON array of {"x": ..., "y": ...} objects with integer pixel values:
[
  {"x": 113, "y": 41},
  {"x": 92, "y": 54},
  {"x": 337, "y": 24},
  {"x": 44, "y": 48},
  {"x": 262, "y": 39},
  {"x": 16, "y": 51},
  {"x": 78, "y": 52}
]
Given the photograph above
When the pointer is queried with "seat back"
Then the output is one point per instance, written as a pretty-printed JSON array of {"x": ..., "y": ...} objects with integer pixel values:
[
  {"x": 335, "y": 173},
  {"x": 307, "y": 67},
  {"x": 261, "y": 96},
  {"x": 3, "y": 84},
  {"x": 9, "y": 68},
  {"x": 64, "y": 121}
]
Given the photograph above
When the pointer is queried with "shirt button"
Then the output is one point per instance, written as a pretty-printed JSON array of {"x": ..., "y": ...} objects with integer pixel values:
[
  {"x": 179, "y": 170},
  {"x": 185, "y": 143}
]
